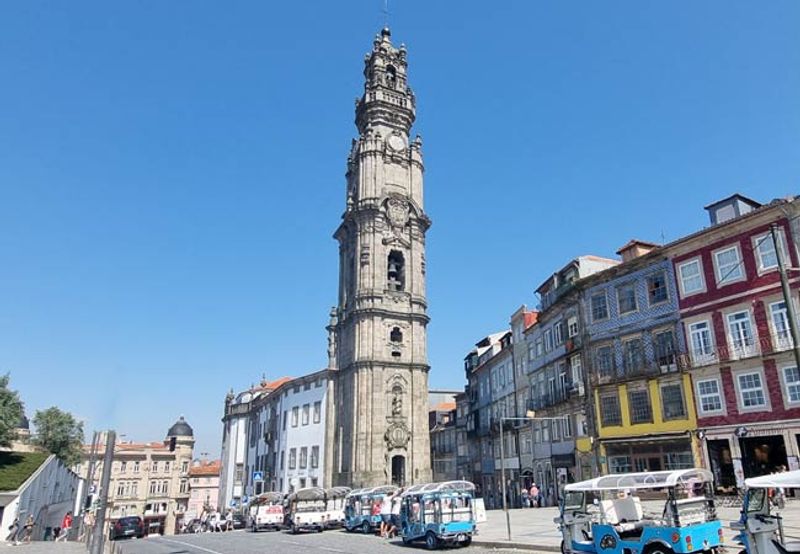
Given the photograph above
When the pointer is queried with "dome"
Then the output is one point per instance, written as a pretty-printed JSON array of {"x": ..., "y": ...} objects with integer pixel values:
[
  {"x": 24, "y": 423},
  {"x": 180, "y": 429}
]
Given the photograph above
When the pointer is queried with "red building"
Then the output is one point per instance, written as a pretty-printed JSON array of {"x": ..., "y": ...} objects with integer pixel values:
[{"x": 745, "y": 379}]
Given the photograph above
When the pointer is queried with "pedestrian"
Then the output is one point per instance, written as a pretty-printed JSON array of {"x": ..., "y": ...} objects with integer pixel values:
[
  {"x": 12, "y": 530},
  {"x": 397, "y": 502},
  {"x": 534, "y": 495},
  {"x": 229, "y": 520},
  {"x": 27, "y": 530},
  {"x": 204, "y": 520},
  {"x": 218, "y": 521},
  {"x": 386, "y": 515},
  {"x": 66, "y": 525},
  {"x": 524, "y": 498}
]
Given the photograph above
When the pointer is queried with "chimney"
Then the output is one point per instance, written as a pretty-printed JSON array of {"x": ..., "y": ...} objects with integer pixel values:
[{"x": 635, "y": 248}]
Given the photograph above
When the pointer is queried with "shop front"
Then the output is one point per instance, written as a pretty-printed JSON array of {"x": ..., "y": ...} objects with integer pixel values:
[{"x": 648, "y": 454}]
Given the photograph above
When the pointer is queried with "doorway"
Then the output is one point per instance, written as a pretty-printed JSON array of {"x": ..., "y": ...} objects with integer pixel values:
[
  {"x": 762, "y": 455},
  {"x": 721, "y": 460},
  {"x": 399, "y": 470}
]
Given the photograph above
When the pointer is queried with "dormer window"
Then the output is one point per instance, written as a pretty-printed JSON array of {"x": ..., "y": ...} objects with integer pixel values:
[{"x": 395, "y": 271}]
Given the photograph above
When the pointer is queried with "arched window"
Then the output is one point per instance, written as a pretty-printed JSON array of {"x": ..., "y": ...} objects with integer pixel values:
[
  {"x": 391, "y": 75},
  {"x": 396, "y": 271},
  {"x": 396, "y": 335}
]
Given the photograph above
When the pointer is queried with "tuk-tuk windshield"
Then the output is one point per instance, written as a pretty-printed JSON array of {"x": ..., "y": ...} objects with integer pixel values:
[
  {"x": 755, "y": 500},
  {"x": 574, "y": 501}
]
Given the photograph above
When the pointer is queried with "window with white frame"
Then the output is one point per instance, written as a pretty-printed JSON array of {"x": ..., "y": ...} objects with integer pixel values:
[
  {"x": 626, "y": 298},
  {"x": 558, "y": 333},
  {"x": 577, "y": 370},
  {"x": 599, "y": 306},
  {"x": 567, "y": 426},
  {"x": 136, "y": 467},
  {"x": 791, "y": 377},
  {"x": 751, "y": 390},
  {"x": 304, "y": 457},
  {"x": 306, "y": 413},
  {"x": 691, "y": 277},
  {"x": 782, "y": 339},
  {"x": 572, "y": 326},
  {"x": 728, "y": 265},
  {"x": 548, "y": 340},
  {"x": 292, "y": 458},
  {"x": 708, "y": 394},
  {"x": 766, "y": 255},
  {"x": 295, "y": 415},
  {"x": 672, "y": 401},
  {"x": 740, "y": 331},
  {"x": 701, "y": 341},
  {"x": 317, "y": 411},
  {"x": 539, "y": 347}
]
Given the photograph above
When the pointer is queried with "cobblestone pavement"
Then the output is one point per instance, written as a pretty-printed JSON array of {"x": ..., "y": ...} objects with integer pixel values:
[{"x": 39, "y": 547}]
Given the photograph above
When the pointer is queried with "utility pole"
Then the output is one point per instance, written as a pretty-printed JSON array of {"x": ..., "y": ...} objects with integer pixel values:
[
  {"x": 503, "y": 477},
  {"x": 98, "y": 536},
  {"x": 89, "y": 485},
  {"x": 787, "y": 294}
]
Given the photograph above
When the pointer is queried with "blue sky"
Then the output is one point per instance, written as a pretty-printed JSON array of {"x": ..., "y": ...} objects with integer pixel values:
[{"x": 171, "y": 173}]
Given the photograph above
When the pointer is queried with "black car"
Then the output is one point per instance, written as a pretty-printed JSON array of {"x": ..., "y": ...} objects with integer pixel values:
[
  {"x": 239, "y": 521},
  {"x": 126, "y": 527}
]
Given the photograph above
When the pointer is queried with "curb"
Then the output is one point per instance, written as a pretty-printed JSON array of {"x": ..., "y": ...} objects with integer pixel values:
[{"x": 515, "y": 545}]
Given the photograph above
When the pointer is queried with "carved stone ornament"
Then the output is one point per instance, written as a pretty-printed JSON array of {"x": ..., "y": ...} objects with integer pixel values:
[
  {"x": 364, "y": 257},
  {"x": 397, "y": 435},
  {"x": 397, "y": 210}
]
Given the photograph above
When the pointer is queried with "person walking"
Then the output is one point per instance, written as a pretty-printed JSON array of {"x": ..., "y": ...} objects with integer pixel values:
[
  {"x": 229, "y": 520},
  {"x": 66, "y": 525},
  {"x": 534, "y": 495},
  {"x": 12, "y": 531},
  {"x": 27, "y": 530},
  {"x": 386, "y": 515},
  {"x": 394, "y": 520}
]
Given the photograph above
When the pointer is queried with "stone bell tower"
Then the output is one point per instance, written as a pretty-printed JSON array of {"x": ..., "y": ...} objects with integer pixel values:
[{"x": 378, "y": 339}]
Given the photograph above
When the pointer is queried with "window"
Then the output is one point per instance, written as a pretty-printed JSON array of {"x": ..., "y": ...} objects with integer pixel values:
[
  {"x": 791, "y": 377},
  {"x": 292, "y": 458},
  {"x": 283, "y": 458},
  {"x": 153, "y": 487},
  {"x": 121, "y": 488},
  {"x": 572, "y": 326},
  {"x": 782, "y": 339},
  {"x": 154, "y": 467},
  {"x": 539, "y": 347},
  {"x": 548, "y": 340},
  {"x": 306, "y": 413},
  {"x": 558, "y": 333},
  {"x": 134, "y": 489},
  {"x": 239, "y": 475},
  {"x": 672, "y": 401},
  {"x": 123, "y": 466},
  {"x": 599, "y": 307},
  {"x": 664, "y": 348},
  {"x": 657, "y": 288},
  {"x": 632, "y": 355},
  {"x": 766, "y": 255},
  {"x": 620, "y": 464},
  {"x": 577, "y": 371},
  {"x": 315, "y": 456},
  {"x": 317, "y": 411},
  {"x": 691, "y": 277},
  {"x": 709, "y": 395},
  {"x": 395, "y": 271},
  {"x": 741, "y": 334},
  {"x": 567, "y": 426},
  {"x": 751, "y": 390},
  {"x": 396, "y": 336},
  {"x": 166, "y": 466},
  {"x": 728, "y": 265},
  {"x": 185, "y": 467},
  {"x": 626, "y": 298},
  {"x": 641, "y": 411},
  {"x": 295, "y": 415},
  {"x": 136, "y": 467},
  {"x": 609, "y": 410},
  {"x": 604, "y": 360},
  {"x": 700, "y": 337},
  {"x": 303, "y": 457},
  {"x": 184, "y": 486},
  {"x": 285, "y": 417}
]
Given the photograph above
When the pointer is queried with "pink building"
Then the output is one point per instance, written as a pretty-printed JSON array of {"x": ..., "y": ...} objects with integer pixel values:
[{"x": 204, "y": 487}]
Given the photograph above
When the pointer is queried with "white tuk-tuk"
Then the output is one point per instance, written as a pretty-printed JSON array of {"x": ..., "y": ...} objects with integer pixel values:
[
  {"x": 334, "y": 506},
  {"x": 761, "y": 527},
  {"x": 266, "y": 511},
  {"x": 306, "y": 510}
]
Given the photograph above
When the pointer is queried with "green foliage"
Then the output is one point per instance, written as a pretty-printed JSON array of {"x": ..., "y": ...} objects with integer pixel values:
[
  {"x": 59, "y": 433},
  {"x": 16, "y": 467},
  {"x": 10, "y": 412}
]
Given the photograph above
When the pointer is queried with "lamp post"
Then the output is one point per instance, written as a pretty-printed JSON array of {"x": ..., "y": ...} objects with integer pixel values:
[{"x": 530, "y": 415}]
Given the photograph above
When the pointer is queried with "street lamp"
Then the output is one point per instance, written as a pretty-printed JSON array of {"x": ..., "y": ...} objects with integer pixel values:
[{"x": 530, "y": 415}]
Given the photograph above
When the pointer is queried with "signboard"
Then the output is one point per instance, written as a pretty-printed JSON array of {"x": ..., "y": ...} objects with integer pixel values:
[
  {"x": 258, "y": 476},
  {"x": 479, "y": 510}
]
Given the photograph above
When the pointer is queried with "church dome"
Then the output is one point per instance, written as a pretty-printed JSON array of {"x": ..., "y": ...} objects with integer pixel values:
[
  {"x": 180, "y": 429},
  {"x": 24, "y": 423}
]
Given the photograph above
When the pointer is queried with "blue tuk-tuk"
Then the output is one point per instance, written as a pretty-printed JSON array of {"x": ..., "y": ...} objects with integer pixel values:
[
  {"x": 360, "y": 512},
  {"x": 439, "y": 513},
  {"x": 658, "y": 512},
  {"x": 760, "y": 526}
]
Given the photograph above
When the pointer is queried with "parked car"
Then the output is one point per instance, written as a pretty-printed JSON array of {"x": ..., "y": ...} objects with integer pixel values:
[
  {"x": 126, "y": 527},
  {"x": 239, "y": 521}
]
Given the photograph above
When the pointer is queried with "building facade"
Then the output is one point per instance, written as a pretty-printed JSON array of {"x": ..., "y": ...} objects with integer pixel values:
[
  {"x": 378, "y": 338},
  {"x": 203, "y": 487},
  {"x": 444, "y": 434},
  {"x": 150, "y": 480}
]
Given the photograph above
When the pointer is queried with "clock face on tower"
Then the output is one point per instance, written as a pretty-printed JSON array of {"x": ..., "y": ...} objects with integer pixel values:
[{"x": 397, "y": 142}]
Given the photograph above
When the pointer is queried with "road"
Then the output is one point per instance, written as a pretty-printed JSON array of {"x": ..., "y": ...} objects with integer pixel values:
[{"x": 245, "y": 542}]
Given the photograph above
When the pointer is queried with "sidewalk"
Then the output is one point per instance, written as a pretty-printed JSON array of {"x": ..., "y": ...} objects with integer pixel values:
[
  {"x": 42, "y": 547},
  {"x": 533, "y": 528}
]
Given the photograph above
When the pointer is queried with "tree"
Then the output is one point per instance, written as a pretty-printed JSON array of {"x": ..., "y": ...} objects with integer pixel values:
[
  {"x": 59, "y": 433},
  {"x": 10, "y": 412}
]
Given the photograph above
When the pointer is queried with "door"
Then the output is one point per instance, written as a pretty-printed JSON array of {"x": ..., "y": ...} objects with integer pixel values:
[{"x": 399, "y": 470}]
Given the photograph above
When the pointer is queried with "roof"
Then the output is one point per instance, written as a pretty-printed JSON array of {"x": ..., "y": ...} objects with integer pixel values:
[
  {"x": 206, "y": 469},
  {"x": 785, "y": 479},
  {"x": 444, "y": 407},
  {"x": 636, "y": 242},
  {"x": 737, "y": 196},
  {"x": 444, "y": 487},
  {"x": 272, "y": 385},
  {"x": 17, "y": 467},
  {"x": 180, "y": 429},
  {"x": 646, "y": 480}
]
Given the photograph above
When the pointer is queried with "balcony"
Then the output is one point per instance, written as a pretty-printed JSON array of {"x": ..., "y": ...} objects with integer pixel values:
[{"x": 782, "y": 341}]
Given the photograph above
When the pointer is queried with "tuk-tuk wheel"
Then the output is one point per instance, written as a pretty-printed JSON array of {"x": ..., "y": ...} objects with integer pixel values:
[
  {"x": 563, "y": 547},
  {"x": 466, "y": 542},
  {"x": 293, "y": 529},
  {"x": 431, "y": 542},
  {"x": 656, "y": 548},
  {"x": 406, "y": 540},
  {"x": 366, "y": 528}
]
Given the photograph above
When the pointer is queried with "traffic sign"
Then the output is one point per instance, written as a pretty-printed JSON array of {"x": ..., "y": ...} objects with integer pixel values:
[
  {"x": 245, "y": 499},
  {"x": 258, "y": 476}
]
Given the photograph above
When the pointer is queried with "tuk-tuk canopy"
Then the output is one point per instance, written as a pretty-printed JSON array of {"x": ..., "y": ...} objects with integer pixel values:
[
  {"x": 372, "y": 491},
  {"x": 337, "y": 492},
  {"x": 267, "y": 498},
  {"x": 310, "y": 493},
  {"x": 785, "y": 479},
  {"x": 444, "y": 487},
  {"x": 645, "y": 480}
]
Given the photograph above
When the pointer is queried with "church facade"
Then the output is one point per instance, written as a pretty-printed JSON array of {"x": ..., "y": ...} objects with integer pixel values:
[{"x": 378, "y": 337}]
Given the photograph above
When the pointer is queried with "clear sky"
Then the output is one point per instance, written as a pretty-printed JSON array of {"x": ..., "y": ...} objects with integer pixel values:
[{"x": 171, "y": 173}]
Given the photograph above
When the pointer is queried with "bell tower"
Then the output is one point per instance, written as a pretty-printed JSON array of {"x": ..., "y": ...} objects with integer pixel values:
[{"x": 378, "y": 330}]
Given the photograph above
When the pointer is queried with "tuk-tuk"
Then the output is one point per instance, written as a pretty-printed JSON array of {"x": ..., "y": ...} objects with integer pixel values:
[
  {"x": 439, "y": 513},
  {"x": 266, "y": 511},
  {"x": 360, "y": 508},
  {"x": 657, "y": 512},
  {"x": 306, "y": 510},
  {"x": 334, "y": 506},
  {"x": 760, "y": 528}
]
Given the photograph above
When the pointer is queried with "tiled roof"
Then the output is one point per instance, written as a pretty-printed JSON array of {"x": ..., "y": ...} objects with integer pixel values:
[
  {"x": 206, "y": 469},
  {"x": 445, "y": 407},
  {"x": 272, "y": 385}
]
